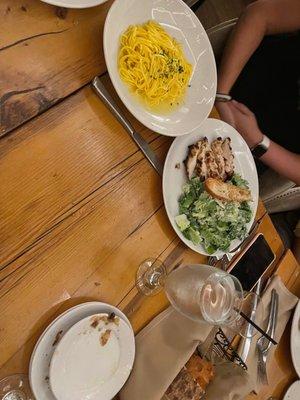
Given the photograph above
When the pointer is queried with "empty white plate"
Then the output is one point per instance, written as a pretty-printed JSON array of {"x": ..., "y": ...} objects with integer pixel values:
[
  {"x": 293, "y": 392},
  {"x": 182, "y": 24},
  {"x": 93, "y": 359},
  {"x": 45, "y": 346},
  {"x": 174, "y": 178},
  {"x": 295, "y": 340}
]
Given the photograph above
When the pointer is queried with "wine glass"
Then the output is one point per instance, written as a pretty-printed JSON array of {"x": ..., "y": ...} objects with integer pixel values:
[
  {"x": 15, "y": 387},
  {"x": 203, "y": 293},
  {"x": 151, "y": 276}
]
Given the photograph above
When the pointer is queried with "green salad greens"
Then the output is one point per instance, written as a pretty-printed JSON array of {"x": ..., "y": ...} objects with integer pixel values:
[{"x": 209, "y": 221}]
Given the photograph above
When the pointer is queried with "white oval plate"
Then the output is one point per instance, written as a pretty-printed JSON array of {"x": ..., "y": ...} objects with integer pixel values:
[
  {"x": 84, "y": 368},
  {"x": 174, "y": 178},
  {"x": 74, "y": 3},
  {"x": 295, "y": 339},
  {"x": 181, "y": 23},
  {"x": 293, "y": 392},
  {"x": 44, "y": 348}
]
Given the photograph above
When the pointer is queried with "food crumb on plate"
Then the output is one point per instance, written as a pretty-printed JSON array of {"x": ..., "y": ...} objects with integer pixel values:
[
  {"x": 95, "y": 322},
  {"x": 57, "y": 338},
  {"x": 104, "y": 337},
  {"x": 113, "y": 318}
]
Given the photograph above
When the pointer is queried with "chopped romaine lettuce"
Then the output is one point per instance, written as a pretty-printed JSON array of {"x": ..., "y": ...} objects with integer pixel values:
[
  {"x": 182, "y": 222},
  {"x": 237, "y": 180},
  {"x": 209, "y": 221},
  {"x": 193, "y": 235}
]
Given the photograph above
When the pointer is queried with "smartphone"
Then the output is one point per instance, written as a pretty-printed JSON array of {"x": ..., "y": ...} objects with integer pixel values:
[{"x": 256, "y": 262}]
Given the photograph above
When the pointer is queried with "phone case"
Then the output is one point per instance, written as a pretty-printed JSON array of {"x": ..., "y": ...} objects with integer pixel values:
[{"x": 268, "y": 271}]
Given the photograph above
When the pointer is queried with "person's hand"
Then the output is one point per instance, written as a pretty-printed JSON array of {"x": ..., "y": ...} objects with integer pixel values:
[{"x": 242, "y": 119}]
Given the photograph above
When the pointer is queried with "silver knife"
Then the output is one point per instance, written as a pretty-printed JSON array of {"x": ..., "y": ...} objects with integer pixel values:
[
  {"x": 102, "y": 92},
  {"x": 246, "y": 343}
]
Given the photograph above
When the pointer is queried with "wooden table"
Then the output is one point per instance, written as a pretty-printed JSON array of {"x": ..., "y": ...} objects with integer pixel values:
[{"x": 80, "y": 207}]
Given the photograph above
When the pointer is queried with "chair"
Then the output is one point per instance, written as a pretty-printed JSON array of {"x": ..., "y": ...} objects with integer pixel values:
[
  {"x": 218, "y": 36},
  {"x": 277, "y": 193}
]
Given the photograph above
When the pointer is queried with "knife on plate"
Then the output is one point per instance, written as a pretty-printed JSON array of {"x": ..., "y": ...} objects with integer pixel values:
[{"x": 102, "y": 92}]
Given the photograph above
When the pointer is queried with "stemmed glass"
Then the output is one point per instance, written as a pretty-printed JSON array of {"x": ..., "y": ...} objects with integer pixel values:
[{"x": 202, "y": 293}]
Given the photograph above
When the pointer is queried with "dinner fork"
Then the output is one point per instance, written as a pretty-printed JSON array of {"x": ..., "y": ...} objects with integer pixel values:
[{"x": 263, "y": 345}]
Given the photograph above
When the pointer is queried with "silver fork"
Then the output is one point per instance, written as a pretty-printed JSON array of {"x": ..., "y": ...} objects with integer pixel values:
[{"x": 263, "y": 345}]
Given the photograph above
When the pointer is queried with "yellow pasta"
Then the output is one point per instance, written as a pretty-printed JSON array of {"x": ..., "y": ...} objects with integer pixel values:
[{"x": 153, "y": 65}]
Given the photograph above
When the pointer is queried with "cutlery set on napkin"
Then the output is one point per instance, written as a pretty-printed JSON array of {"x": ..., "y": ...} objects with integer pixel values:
[{"x": 164, "y": 347}]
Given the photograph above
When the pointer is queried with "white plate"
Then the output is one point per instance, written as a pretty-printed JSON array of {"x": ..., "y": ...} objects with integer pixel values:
[
  {"x": 44, "y": 349},
  {"x": 293, "y": 392},
  {"x": 75, "y": 3},
  {"x": 174, "y": 178},
  {"x": 181, "y": 23},
  {"x": 84, "y": 368},
  {"x": 295, "y": 340}
]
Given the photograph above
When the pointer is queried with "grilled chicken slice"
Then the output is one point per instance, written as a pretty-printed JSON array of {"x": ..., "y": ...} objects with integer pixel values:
[
  {"x": 191, "y": 160},
  {"x": 201, "y": 166},
  {"x": 210, "y": 161},
  {"x": 228, "y": 157},
  {"x": 211, "y": 165},
  {"x": 217, "y": 150}
]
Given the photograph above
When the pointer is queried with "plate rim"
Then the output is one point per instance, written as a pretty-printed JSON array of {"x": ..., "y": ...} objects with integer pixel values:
[
  {"x": 60, "y": 316},
  {"x": 61, "y": 3},
  {"x": 123, "y": 99},
  {"x": 294, "y": 327},
  {"x": 186, "y": 241},
  {"x": 289, "y": 388}
]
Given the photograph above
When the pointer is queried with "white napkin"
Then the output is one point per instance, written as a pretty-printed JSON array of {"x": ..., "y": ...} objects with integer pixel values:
[
  {"x": 162, "y": 349},
  {"x": 287, "y": 302}
]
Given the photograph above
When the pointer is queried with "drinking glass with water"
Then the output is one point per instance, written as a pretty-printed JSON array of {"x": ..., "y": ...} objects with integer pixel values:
[{"x": 202, "y": 293}]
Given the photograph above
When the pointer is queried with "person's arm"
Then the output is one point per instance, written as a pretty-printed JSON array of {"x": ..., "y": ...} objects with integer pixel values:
[
  {"x": 261, "y": 18},
  {"x": 283, "y": 161},
  {"x": 278, "y": 158}
]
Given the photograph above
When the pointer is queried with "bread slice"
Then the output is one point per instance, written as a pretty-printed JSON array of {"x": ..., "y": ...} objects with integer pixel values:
[
  {"x": 226, "y": 191},
  {"x": 201, "y": 370},
  {"x": 192, "y": 381}
]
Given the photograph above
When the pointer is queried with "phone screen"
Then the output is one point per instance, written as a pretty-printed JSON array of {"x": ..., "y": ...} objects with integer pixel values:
[{"x": 253, "y": 263}]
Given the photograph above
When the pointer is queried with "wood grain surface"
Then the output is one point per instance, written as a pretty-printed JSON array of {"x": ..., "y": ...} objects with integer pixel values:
[
  {"x": 46, "y": 53},
  {"x": 76, "y": 191},
  {"x": 80, "y": 207},
  {"x": 80, "y": 210}
]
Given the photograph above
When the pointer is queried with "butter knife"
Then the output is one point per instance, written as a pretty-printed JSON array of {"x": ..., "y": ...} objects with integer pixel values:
[
  {"x": 246, "y": 343},
  {"x": 102, "y": 92}
]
